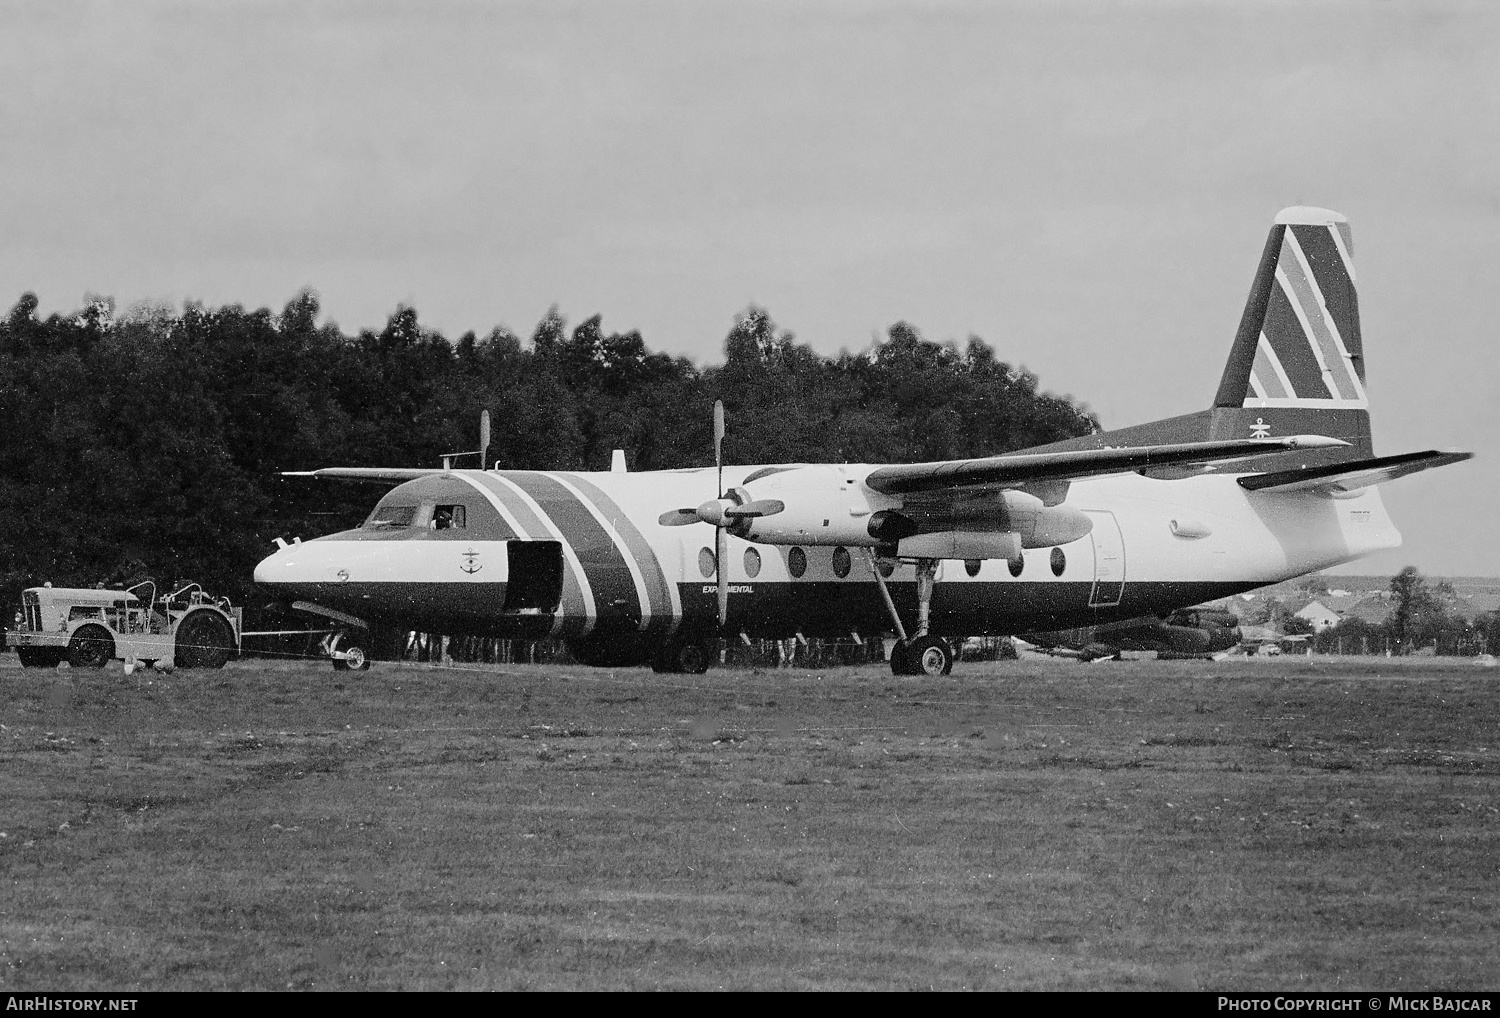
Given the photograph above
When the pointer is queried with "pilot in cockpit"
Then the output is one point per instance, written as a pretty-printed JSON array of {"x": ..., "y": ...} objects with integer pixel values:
[{"x": 442, "y": 518}]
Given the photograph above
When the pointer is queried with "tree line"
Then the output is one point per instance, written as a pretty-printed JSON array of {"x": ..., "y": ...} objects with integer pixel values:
[
  {"x": 1424, "y": 617},
  {"x": 151, "y": 442}
]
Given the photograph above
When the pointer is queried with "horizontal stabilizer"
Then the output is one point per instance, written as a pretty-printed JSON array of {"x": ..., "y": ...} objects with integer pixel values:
[
  {"x": 1351, "y": 476},
  {"x": 383, "y": 475},
  {"x": 1020, "y": 468}
]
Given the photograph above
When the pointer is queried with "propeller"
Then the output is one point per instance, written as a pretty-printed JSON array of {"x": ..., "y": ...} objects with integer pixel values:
[
  {"x": 723, "y": 514},
  {"x": 721, "y": 535}
]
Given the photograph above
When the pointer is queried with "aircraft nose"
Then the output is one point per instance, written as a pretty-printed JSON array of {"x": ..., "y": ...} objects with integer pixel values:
[{"x": 274, "y": 567}]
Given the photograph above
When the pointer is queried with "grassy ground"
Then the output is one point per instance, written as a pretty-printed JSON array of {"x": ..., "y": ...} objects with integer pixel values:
[{"x": 1284, "y": 824}]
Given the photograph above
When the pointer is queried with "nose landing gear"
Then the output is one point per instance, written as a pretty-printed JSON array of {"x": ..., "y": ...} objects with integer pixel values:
[{"x": 347, "y": 649}]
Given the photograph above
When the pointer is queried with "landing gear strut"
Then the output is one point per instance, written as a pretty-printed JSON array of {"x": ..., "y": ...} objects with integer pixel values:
[{"x": 922, "y": 653}]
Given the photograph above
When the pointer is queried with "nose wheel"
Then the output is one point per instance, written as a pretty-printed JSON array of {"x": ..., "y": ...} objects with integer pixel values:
[{"x": 348, "y": 651}]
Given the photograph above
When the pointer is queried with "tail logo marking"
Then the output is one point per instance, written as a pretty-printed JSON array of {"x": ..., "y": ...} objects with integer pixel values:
[{"x": 1303, "y": 356}]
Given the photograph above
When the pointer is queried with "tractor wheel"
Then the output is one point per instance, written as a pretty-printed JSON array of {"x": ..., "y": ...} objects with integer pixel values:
[
  {"x": 40, "y": 657},
  {"x": 92, "y": 646},
  {"x": 203, "y": 641}
]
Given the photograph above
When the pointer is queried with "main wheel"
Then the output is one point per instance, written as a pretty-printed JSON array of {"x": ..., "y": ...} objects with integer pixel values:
[
  {"x": 41, "y": 657},
  {"x": 203, "y": 641},
  {"x": 930, "y": 656},
  {"x": 688, "y": 658},
  {"x": 356, "y": 658},
  {"x": 91, "y": 647}
]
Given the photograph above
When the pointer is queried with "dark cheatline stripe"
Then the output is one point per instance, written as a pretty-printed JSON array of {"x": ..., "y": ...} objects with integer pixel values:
[
  {"x": 1292, "y": 349},
  {"x": 572, "y": 608},
  {"x": 1332, "y": 277},
  {"x": 1312, "y": 310},
  {"x": 657, "y": 592},
  {"x": 1004, "y": 607},
  {"x": 608, "y": 575}
]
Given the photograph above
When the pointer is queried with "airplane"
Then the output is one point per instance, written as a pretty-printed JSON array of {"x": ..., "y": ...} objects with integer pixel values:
[
  {"x": 1188, "y": 632},
  {"x": 1276, "y": 478}
]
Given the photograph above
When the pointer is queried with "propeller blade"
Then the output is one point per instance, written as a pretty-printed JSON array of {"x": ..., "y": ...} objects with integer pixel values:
[
  {"x": 679, "y": 517},
  {"x": 719, "y": 442},
  {"x": 757, "y": 508},
  {"x": 721, "y": 550}
]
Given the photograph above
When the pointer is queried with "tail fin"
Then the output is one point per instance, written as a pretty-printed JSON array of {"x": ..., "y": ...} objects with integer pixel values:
[
  {"x": 1299, "y": 342},
  {"x": 1297, "y": 365}
]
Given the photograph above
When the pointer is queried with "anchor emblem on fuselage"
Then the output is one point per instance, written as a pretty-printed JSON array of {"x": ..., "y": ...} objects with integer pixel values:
[
  {"x": 470, "y": 566},
  {"x": 1260, "y": 429}
]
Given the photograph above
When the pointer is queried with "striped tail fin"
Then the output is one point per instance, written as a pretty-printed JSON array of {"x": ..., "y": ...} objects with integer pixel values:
[{"x": 1297, "y": 365}]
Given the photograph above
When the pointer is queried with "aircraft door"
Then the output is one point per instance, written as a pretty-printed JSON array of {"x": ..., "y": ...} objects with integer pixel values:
[
  {"x": 535, "y": 580},
  {"x": 1109, "y": 561}
]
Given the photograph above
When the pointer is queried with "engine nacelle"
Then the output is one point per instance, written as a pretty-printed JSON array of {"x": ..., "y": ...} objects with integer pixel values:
[
  {"x": 824, "y": 505},
  {"x": 960, "y": 544}
]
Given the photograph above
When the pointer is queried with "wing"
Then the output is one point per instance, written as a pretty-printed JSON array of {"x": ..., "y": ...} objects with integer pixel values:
[
  {"x": 1352, "y": 475},
  {"x": 1021, "y": 468},
  {"x": 383, "y": 475}
]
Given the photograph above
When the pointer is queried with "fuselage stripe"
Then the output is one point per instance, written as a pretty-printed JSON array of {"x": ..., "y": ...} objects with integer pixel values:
[
  {"x": 608, "y": 576},
  {"x": 648, "y": 607},
  {"x": 666, "y": 606},
  {"x": 578, "y": 607}
]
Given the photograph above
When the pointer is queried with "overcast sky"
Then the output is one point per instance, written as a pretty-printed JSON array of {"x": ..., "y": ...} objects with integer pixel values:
[{"x": 1086, "y": 186}]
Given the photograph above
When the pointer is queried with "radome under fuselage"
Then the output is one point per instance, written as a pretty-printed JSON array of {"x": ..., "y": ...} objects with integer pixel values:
[{"x": 1155, "y": 545}]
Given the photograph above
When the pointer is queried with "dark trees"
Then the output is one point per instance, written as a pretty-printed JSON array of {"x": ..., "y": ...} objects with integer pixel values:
[{"x": 153, "y": 442}]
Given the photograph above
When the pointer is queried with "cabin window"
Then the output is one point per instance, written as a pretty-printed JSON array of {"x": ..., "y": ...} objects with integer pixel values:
[
  {"x": 1059, "y": 561},
  {"x": 841, "y": 562},
  {"x": 796, "y": 562},
  {"x": 752, "y": 563},
  {"x": 1016, "y": 565},
  {"x": 449, "y": 517},
  {"x": 706, "y": 563},
  {"x": 386, "y": 517},
  {"x": 972, "y": 565}
]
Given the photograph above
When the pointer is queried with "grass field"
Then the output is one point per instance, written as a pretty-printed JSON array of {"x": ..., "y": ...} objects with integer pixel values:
[{"x": 1283, "y": 824}]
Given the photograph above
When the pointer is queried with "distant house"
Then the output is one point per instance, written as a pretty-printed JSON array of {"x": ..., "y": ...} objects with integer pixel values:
[
  {"x": 1319, "y": 614},
  {"x": 1476, "y": 605}
]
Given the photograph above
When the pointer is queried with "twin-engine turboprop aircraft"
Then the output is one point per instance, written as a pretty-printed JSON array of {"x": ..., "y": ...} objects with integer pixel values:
[{"x": 1277, "y": 478}]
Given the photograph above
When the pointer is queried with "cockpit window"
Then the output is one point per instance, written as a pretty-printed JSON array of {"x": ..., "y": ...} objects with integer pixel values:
[
  {"x": 449, "y": 517},
  {"x": 386, "y": 517}
]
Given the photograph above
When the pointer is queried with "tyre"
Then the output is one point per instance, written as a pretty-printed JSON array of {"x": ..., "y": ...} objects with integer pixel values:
[
  {"x": 40, "y": 657},
  {"x": 930, "y": 655},
  {"x": 693, "y": 659},
  {"x": 203, "y": 641},
  {"x": 92, "y": 646},
  {"x": 898, "y": 658},
  {"x": 356, "y": 656},
  {"x": 684, "y": 658}
]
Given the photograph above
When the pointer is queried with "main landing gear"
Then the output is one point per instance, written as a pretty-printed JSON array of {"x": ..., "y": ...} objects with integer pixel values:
[{"x": 922, "y": 653}]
